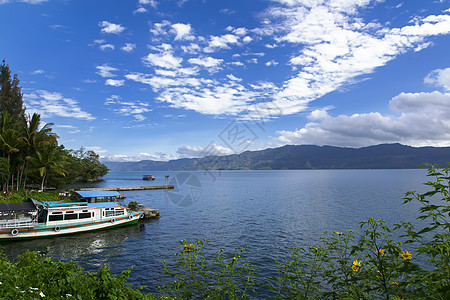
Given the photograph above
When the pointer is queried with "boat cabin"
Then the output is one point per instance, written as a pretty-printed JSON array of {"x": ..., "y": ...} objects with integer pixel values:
[
  {"x": 24, "y": 210},
  {"x": 64, "y": 211},
  {"x": 148, "y": 177},
  {"x": 98, "y": 196}
]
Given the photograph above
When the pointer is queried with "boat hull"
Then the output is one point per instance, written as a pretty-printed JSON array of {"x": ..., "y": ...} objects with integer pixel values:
[{"x": 44, "y": 231}]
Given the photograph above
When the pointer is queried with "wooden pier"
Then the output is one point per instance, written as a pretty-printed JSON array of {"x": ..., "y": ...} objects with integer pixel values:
[{"x": 132, "y": 188}]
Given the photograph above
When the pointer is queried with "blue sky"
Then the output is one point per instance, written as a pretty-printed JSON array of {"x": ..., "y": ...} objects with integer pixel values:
[{"x": 166, "y": 79}]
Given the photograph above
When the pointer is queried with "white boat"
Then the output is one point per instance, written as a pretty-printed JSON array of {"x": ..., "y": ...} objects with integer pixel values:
[{"x": 65, "y": 217}]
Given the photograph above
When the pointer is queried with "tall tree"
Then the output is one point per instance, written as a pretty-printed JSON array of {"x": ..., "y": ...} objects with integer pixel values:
[
  {"x": 51, "y": 158},
  {"x": 34, "y": 137},
  {"x": 10, "y": 93}
]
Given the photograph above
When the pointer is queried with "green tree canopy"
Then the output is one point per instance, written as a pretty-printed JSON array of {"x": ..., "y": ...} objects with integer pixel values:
[{"x": 10, "y": 93}]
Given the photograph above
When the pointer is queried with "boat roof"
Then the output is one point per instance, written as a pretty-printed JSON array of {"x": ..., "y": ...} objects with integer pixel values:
[
  {"x": 95, "y": 194},
  {"x": 73, "y": 204},
  {"x": 17, "y": 207}
]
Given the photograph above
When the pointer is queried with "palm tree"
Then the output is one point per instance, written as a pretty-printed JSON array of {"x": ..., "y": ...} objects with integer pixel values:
[
  {"x": 34, "y": 137},
  {"x": 49, "y": 158},
  {"x": 10, "y": 142}
]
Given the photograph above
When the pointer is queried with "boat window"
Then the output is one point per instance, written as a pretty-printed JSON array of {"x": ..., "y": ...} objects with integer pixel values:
[
  {"x": 85, "y": 210},
  {"x": 110, "y": 213},
  {"x": 70, "y": 216},
  {"x": 84, "y": 215},
  {"x": 55, "y": 217},
  {"x": 119, "y": 212},
  {"x": 69, "y": 212},
  {"x": 42, "y": 218},
  {"x": 57, "y": 213}
]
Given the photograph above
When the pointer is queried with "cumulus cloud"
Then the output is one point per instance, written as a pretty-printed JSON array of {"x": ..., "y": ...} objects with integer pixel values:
[
  {"x": 421, "y": 119},
  {"x": 114, "y": 82},
  {"x": 210, "y": 63},
  {"x": 108, "y": 27},
  {"x": 54, "y": 104},
  {"x": 135, "y": 109},
  {"x": 182, "y": 31},
  {"x": 105, "y": 47},
  {"x": 199, "y": 152},
  {"x": 128, "y": 47},
  {"x": 163, "y": 59},
  {"x": 158, "y": 156},
  {"x": 221, "y": 42},
  {"x": 152, "y": 3},
  {"x": 106, "y": 71},
  {"x": 327, "y": 44},
  {"x": 439, "y": 77}
]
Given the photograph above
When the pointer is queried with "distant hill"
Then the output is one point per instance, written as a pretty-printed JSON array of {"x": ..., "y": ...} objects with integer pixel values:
[{"x": 384, "y": 156}]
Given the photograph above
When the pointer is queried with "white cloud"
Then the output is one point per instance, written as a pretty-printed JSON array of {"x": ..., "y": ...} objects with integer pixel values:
[
  {"x": 158, "y": 156},
  {"x": 108, "y": 27},
  {"x": 51, "y": 104},
  {"x": 40, "y": 71},
  {"x": 161, "y": 28},
  {"x": 106, "y": 71},
  {"x": 210, "y": 63},
  {"x": 164, "y": 59},
  {"x": 199, "y": 152},
  {"x": 191, "y": 48},
  {"x": 135, "y": 109},
  {"x": 336, "y": 48},
  {"x": 182, "y": 31},
  {"x": 140, "y": 10},
  {"x": 271, "y": 63},
  {"x": 114, "y": 82},
  {"x": 422, "y": 120},
  {"x": 128, "y": 47},
  {"x": 221, "y": 42},
  {"x": 439, "y": 77},
  {"x": 105, "y": 47},
  {"x": 152, "y": 3},
  {"x": 69, "y": 128}
]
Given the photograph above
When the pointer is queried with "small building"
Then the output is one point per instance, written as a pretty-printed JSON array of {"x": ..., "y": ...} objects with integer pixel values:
[
  {"x": 17, "y": 210},
  {"x": 98, "y": 196}
]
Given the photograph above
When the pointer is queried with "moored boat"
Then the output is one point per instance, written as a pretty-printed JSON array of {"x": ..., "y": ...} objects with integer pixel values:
[
  {"x": 148, "y": 177},
  {"x": 67, "y": 217}
]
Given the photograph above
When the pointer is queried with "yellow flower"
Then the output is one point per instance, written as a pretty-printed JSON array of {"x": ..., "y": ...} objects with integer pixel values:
[
  {"x": 406, "y": 255},
  {"x": 380, "y": 252},
  {"x": 394, "y": 283},
  {"x": 338, "y": 233},
  {"x": 356, "y": 265},
  {"x": 188, "y": 248}
]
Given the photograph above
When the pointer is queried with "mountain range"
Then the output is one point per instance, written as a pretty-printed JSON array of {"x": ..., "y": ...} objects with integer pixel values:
[{"x": 295, "y": 157}]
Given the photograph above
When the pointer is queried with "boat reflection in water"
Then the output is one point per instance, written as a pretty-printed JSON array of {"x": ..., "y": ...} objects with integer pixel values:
[{"x": 91, "y": 249}]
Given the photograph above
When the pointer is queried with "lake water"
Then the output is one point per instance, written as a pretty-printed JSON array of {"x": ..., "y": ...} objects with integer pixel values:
[{"x": 268, "y": 211}]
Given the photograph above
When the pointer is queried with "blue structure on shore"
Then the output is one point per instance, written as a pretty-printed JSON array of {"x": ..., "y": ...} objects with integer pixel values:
[{"x": 98, "y": 196}]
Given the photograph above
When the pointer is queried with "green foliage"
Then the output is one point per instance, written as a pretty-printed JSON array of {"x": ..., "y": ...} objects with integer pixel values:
[
  {"x": 197, "y": 276},
  {"x": 10, "y": 92},
  {"x": 91, "y": 169},
  {"x": 4, "y": 171},
  {"x": 34, "y": 276},
  {"x": 433, "y": 240},
  {"x": 23, "y": 196},
  {"x": 133, "y": 205}
]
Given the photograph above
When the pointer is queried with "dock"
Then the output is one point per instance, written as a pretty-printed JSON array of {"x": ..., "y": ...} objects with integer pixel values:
[{"x": 132, "y": 188}]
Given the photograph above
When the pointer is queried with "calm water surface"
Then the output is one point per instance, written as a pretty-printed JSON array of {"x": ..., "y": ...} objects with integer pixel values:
[{"x": 268, "y": 211}]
